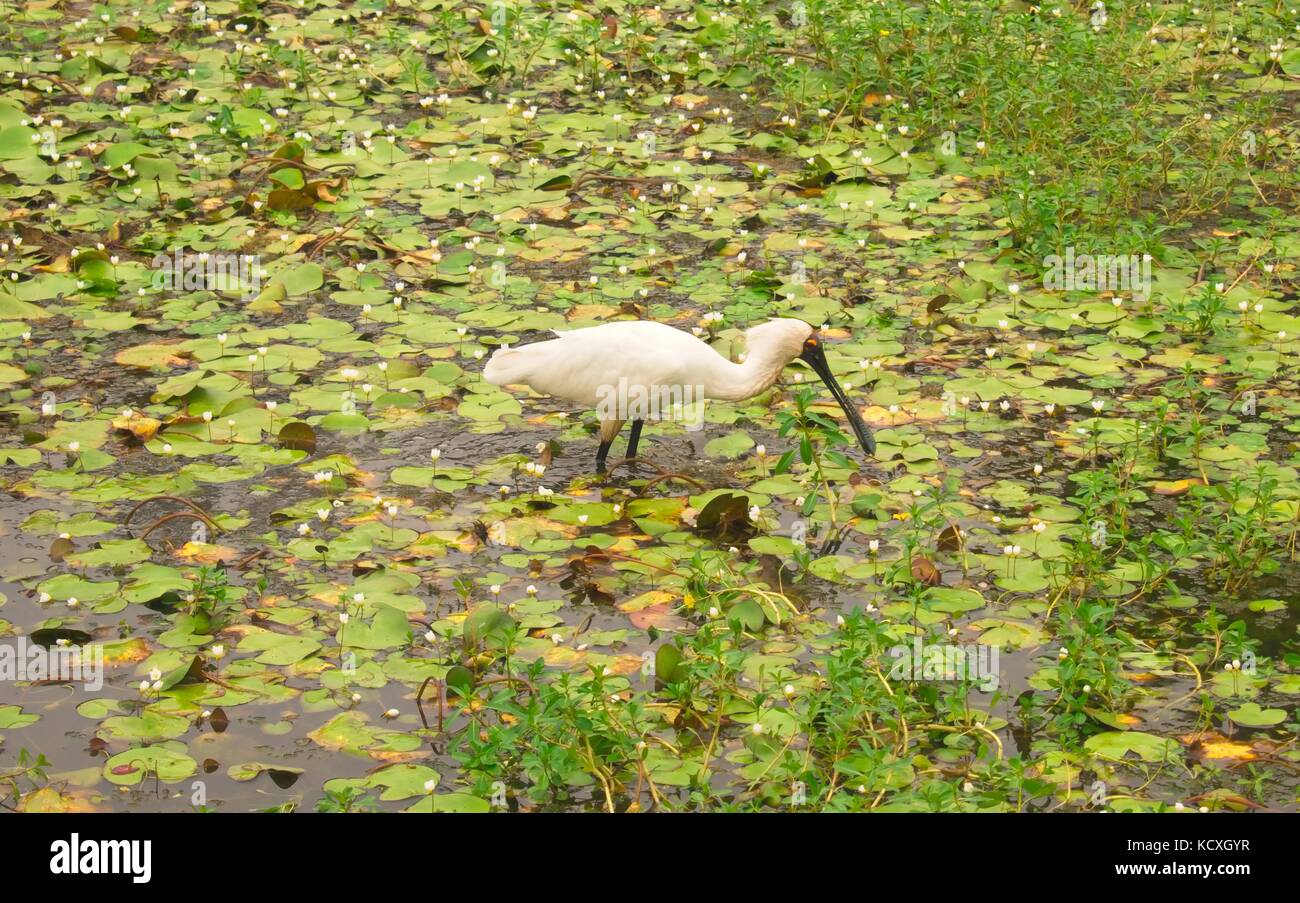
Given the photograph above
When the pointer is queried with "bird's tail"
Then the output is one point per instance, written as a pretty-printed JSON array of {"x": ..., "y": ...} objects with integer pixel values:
[{"x": 506, "y": 366}]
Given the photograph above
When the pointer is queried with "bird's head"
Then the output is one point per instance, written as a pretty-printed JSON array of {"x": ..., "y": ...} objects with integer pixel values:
[
  {"x": 778, "y": 341},
  {"x": 781, "y": 340}
]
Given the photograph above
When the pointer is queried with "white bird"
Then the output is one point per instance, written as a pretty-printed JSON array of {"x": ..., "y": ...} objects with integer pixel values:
[{"x": 641, "y": 360}]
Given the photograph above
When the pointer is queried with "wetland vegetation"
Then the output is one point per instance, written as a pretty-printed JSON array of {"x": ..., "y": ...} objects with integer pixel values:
[{"x": 254, "y": 256}]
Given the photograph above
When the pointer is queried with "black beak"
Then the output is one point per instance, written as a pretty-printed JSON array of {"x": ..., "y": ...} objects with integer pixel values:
[{"x": 816, "y": 358}]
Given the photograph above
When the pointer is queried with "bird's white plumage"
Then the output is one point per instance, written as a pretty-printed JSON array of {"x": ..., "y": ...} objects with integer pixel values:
[{"x": 582, "y": 364}]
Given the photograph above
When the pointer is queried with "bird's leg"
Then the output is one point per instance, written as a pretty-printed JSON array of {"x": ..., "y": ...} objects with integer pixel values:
[
  {"x": 633, "y": 439},
  {"x": 608, "y": 431},
  {"x": 601, "y": 454}
]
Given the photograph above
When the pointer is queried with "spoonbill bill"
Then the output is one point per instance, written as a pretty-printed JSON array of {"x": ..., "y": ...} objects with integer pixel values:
[{"x": 645, "y": 360}]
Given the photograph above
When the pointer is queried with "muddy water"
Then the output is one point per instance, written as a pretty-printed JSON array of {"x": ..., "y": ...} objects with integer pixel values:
[
  {"x": 278, "y": 733},
  {"x": 266, "y": 733}
]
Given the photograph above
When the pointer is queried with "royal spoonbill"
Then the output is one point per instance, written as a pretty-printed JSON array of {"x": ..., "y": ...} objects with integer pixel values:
[{"x": 623, "y": 368}]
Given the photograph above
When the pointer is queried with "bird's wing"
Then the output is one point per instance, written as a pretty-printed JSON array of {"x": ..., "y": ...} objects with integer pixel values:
[{"x": 585, "y": 364}]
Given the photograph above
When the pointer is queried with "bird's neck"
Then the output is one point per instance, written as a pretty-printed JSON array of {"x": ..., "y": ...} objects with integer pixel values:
[{"x": 736, "y": 382}]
